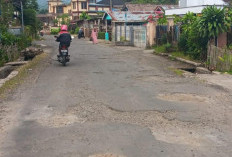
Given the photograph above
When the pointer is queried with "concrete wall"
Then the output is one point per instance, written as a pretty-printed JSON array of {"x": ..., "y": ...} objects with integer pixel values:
[
  {"x": 222, "y": 40},
  {"x": 151, "y": 34}
]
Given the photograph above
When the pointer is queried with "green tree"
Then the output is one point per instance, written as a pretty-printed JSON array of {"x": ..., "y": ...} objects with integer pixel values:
[
  {"x": 84, "y": 16},
  {"x": 213, "y": 22},
  {"x": 6, "y": 14},
  {"x": 187, "y": 21},
  {"x": 64, "y": 19},
  {"x": 162, "y": 20},
  {"x": 43, "y": 11}
]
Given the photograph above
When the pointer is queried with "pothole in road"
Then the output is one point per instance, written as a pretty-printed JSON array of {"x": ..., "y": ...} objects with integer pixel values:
[
  {"x": 106, "y": 155},
  {"x": 186, "y": 137},
  {"x": 57, "y": 121},
  {"x": 182, "y": 97}
]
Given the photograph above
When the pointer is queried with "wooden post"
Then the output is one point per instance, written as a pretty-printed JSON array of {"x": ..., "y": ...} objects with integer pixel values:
[{"x": 106, "y": 26}]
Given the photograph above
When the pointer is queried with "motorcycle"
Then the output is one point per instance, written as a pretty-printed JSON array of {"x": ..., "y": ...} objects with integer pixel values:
[
  {"x": 63, "y": 56},
  {"x": 81, "y": 34}
]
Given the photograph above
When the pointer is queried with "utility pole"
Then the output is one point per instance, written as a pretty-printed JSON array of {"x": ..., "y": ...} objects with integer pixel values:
[
  {"x": 111, "y": 7},
  {"x": 22, "y": 15}
]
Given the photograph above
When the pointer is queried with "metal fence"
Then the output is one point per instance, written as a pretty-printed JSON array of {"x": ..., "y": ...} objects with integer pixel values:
[
  {"x": 161, "y": 30},
  {"x": 135, "y": 34},
  {"x": 140, "y": 37},
  {"x": 171, "y": 34}
]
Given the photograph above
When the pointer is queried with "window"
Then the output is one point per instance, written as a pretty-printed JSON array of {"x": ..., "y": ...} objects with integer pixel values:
[
  {"x": 74, "y": 5},
  {"x": 59, "y": 9},
  {"x": 92, "y": 1},
  {"x": 83, "y": 5}
]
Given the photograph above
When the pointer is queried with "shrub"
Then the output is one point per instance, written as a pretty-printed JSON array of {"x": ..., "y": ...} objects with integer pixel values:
[
  {"x": 55, "y": 31},
  {"x": 101, "y": 35},
  {"x": 168, "y": 47},
  {"x": 72, "y": 32},
  {"x": 182, "y": 43},
  {"x": 77, "y": 30},
  {"x": 164, "y": 39}
]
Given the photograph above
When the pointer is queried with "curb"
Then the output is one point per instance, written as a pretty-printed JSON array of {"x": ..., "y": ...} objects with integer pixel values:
[
  {"x": 181, "y": 59},
  {"x": 199, "y": 66},
  {"x": 9, "y": 77}
]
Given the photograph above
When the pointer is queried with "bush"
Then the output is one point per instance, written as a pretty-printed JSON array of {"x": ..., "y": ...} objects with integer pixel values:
[
  {"x": 24, "y": 41},
  {"x": 8, "y": 39},
  {"x": 182, "y": 43},
  {"x": 72, "y": 32},
  {"x": 164, "y": 39},
  {"x": 55, "y": 31},
  {"x": 101, "y": 35},
  {"x": 77, "y": 30},
  {"x": 168, "y": 47}
]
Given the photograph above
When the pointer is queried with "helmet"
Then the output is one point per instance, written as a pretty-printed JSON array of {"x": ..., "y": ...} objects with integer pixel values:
[{"x": 64, "y": 28}]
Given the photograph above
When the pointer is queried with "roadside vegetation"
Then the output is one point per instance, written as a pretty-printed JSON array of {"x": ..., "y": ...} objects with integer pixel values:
[
  {"x": 197, "y": 32},
  {"x": 12, "y": 44},
  {"x": 22, "y": 73}
]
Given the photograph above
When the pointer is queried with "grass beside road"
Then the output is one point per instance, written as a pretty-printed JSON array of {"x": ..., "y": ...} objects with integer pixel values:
[
  {"x": 23, "y": 72},
  {"x": 173, "y": 52},
  {"x": 177, "y": 71}
]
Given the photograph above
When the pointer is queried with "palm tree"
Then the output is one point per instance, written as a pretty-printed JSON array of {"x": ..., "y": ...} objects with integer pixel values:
[{"x": 213, "y": 22}]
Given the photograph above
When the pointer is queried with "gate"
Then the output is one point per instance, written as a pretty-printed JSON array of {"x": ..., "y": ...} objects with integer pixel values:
[
  {"x": 160, "y": 31},
  {"x": 140, "y": 37}
]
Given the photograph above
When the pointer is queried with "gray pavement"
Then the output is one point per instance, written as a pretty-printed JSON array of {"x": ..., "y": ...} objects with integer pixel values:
[{"x": 115, "y": 102}]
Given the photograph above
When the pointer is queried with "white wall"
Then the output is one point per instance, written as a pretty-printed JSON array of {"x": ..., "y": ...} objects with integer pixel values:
[{"x": 189, "y": 3}]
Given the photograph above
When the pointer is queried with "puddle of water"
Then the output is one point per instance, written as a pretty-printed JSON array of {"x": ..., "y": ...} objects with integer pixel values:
[{"x": 183, "y": 97}]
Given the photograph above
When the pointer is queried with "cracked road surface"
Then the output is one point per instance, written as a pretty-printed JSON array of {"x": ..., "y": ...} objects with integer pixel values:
[{"x": 114, "y": 102}]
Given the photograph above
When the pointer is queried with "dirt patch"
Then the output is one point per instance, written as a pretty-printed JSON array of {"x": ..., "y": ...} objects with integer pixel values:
[
  {"x": 149, "y": 78},
  {"x": 183, "y": 97},
  {"x": 106, "y": 155}
]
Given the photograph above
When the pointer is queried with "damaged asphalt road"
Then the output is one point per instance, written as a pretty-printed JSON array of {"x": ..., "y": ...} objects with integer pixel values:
[{"x": 114, "y": 102}]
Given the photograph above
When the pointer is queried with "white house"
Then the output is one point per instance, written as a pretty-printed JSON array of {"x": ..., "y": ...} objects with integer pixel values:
[
  {"x": 195, "y": 6},
  {"x": 191, "y": 3}
]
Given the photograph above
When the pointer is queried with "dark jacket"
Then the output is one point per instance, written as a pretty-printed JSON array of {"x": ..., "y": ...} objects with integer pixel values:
[{"x": 64, "y": 39}]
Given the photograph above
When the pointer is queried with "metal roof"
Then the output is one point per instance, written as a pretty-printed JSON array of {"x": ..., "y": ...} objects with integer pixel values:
[
  {"x": 185, "y": 10},
  {"x": 114, "y": 2},
  {"x": 122, "y": 16},
  {"x": 147, "y": 7}
]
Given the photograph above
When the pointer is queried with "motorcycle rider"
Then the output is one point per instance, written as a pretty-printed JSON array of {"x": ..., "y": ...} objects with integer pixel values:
[{"x": 64, "y": 37}]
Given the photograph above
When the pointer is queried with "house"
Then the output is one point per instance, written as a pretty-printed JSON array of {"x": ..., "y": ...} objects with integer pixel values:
[
  {"x": 147, "y": 7},
  {"x": 132, "y": 27},
  {"x": 76, "y": 7},
  {"x": 80, "y": 6},
  {"x": 56, "y": 8},
  {"x": 195, "y": 6}
]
